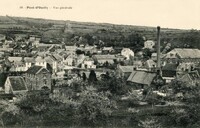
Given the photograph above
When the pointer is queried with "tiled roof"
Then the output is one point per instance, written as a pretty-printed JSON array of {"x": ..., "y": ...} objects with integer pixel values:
[
  {"x": 34, "y": 69},
  {"x": 102, "y": 57},
  {"x": 49, "y": 59},
  {"x": 187, "y": 53},
  {"x": 141, "y": 77},
  {"x": 57, "y": 57},
  {"x": 14, "y": 59},
  {"x": 126, "y": 68},
  {"x": 29, "y": 59},
  {"x": 40, "y": 59},
  {"x": 17, "y": 83},
  {"x": 70, "y": 48}
]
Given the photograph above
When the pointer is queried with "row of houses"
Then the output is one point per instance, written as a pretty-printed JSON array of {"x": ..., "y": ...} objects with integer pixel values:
[
  {"x": 35, "y": 78},
  {"x": 181, "y": 64}
]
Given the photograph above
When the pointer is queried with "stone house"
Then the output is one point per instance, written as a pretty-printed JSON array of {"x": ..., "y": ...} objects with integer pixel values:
[{"x": 38, "y": 77}]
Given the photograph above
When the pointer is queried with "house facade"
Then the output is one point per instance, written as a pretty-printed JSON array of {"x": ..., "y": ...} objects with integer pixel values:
[
  {"x": 88, "y": 63},
  {"x": 150, "y": 65},
  {"x": 183, "y": 55},
  {"x": 169, "y": 72},
  {"x": 20, "y": 64},
  {"x": 107, "y": 50},
  {"x": 102, "y": 59},
  {"x": 40, "y": 61},
  {"x": 38, "y": 77},
  {"x": 149, "y": 44},
  {"x": 186, "y": 59},
  {"x": 69, "y": 60}
]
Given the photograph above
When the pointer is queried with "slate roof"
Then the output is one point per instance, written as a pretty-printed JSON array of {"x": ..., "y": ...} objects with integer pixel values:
[
  {"x": 142, "y": 77},
  {"x": 34, "y": 69},
  {"x": 17, "y": 83}
]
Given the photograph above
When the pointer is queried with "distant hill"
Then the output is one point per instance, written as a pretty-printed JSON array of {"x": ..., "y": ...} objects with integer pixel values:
[{"x": 111, "y": 34}]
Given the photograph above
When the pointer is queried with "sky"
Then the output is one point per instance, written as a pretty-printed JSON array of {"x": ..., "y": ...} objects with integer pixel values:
[{"x": 184, "y": 14}]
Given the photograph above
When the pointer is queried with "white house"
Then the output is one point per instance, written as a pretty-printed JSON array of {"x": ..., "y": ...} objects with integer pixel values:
[
  {"x": 127, "y": 52},
  {"x": 20, "y": 63},
  {"x": 40, "y": 61},
  {"x": 29, "y": 61},
  {"x": 69, "y": 60},
  {"x": 107, "y": 49},
  {"x": 149, "y": 44},
  {"x": 80, "y": 59},
  {"x": 88, "y": 63}
]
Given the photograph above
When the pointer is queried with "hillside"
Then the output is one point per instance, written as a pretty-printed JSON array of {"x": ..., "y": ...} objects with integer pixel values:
[{"x": 119, "y": 35}]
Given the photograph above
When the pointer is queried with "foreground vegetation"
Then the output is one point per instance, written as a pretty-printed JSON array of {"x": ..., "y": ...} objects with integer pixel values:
[{"x": 106, "y": 104}]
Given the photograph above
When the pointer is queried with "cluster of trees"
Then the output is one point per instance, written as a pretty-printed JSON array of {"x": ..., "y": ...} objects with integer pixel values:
[
  {"x": 99, "y": 103},
  {"x": 188, "y": 39}
]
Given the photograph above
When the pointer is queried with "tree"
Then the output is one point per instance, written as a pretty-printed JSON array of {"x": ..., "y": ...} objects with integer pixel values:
[
  {"x": 92, "y": 76},
  {"x": 135, "y": 40},
  {"x": 147, "y": 53},
  {"x": 95, "y": 108},
  {"x": 84, "y": 76},
  {"x": 9, "y": 114},
  {"x": 106, "y": 64},
  {"x": 78, "y": 52},
  {"x": 89, "y": 39},
  {"x": 116, "y": 86}
]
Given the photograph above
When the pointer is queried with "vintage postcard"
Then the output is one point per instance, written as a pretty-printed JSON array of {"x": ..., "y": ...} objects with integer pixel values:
[{"x": 100, "y": 63}]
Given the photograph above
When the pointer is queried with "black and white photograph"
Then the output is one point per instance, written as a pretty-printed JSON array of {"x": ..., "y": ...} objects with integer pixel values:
[{"x": 99, "y": 64}]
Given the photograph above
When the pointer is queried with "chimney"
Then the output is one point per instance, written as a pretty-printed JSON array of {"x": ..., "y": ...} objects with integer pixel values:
[{"x": 158, "y": 51}]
